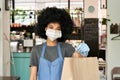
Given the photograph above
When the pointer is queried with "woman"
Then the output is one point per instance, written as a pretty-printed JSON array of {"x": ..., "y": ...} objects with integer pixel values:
[{"x": 54, "y": 25}]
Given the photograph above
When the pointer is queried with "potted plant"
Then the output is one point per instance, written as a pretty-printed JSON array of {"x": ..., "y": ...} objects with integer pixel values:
[{"x": 104, "y": 21}]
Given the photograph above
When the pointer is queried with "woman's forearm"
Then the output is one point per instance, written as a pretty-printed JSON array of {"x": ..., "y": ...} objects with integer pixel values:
[
  {"x": 33, "y": 73},
  {"x": 33, "y": 78},
  {"x": 77, "y": 55}
]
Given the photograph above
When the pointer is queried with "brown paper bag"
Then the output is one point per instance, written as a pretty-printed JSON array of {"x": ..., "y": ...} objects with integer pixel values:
[{"x": 80, "y": 69}]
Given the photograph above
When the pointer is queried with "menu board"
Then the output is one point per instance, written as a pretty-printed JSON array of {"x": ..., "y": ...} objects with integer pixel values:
[
  {"x": 91, "y": 35},
  {"x": 91, "y": 29}
]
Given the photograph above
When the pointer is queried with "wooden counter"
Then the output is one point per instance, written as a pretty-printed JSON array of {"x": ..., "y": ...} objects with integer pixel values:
[{"x": 9, "y": 78}]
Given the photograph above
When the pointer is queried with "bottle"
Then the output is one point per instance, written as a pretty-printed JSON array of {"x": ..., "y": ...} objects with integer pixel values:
[{"x": 20, "y": 48}]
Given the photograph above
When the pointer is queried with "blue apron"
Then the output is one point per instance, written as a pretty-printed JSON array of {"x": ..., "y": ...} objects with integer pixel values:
[{"x": 50, "y": 70}]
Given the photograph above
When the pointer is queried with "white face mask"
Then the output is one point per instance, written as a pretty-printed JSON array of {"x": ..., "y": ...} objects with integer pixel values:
[{"x": 53, "y": 34}]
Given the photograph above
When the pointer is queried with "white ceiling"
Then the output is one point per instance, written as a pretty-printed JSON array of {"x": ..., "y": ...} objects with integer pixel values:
[
  {"x": 48, "y": 1},
  {"x": 40, "y": 4}
]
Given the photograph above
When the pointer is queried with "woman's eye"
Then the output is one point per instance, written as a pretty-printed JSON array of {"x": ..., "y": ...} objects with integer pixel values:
[{"x": 59, "y": 29}]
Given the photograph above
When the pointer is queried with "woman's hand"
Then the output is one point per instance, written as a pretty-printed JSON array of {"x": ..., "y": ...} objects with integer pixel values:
[{"x": 83, "y": 49}]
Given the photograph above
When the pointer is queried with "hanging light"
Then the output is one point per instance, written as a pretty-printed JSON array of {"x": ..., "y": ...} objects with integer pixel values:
[
  {"x": 7, "y": 4},
  {"x": 103, "y": 4}
]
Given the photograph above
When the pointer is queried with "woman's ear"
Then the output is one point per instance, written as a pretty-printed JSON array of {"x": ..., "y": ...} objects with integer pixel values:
[{"x": 45, "y": 28}]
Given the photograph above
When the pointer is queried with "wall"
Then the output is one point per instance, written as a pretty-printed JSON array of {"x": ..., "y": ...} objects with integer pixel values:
[
  {"x": 1, "y": 40},
  {"x": 113, "y": 46},
  {"x": 4, "y": 40},
  {"x": 87, "y": 4}
]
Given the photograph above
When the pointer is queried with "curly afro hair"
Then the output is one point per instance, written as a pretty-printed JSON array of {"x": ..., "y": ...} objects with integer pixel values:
[{"x": 53, "y": 14}]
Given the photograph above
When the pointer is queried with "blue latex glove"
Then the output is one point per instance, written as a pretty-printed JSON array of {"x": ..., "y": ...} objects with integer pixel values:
[{"x": 83, "y": 49}]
